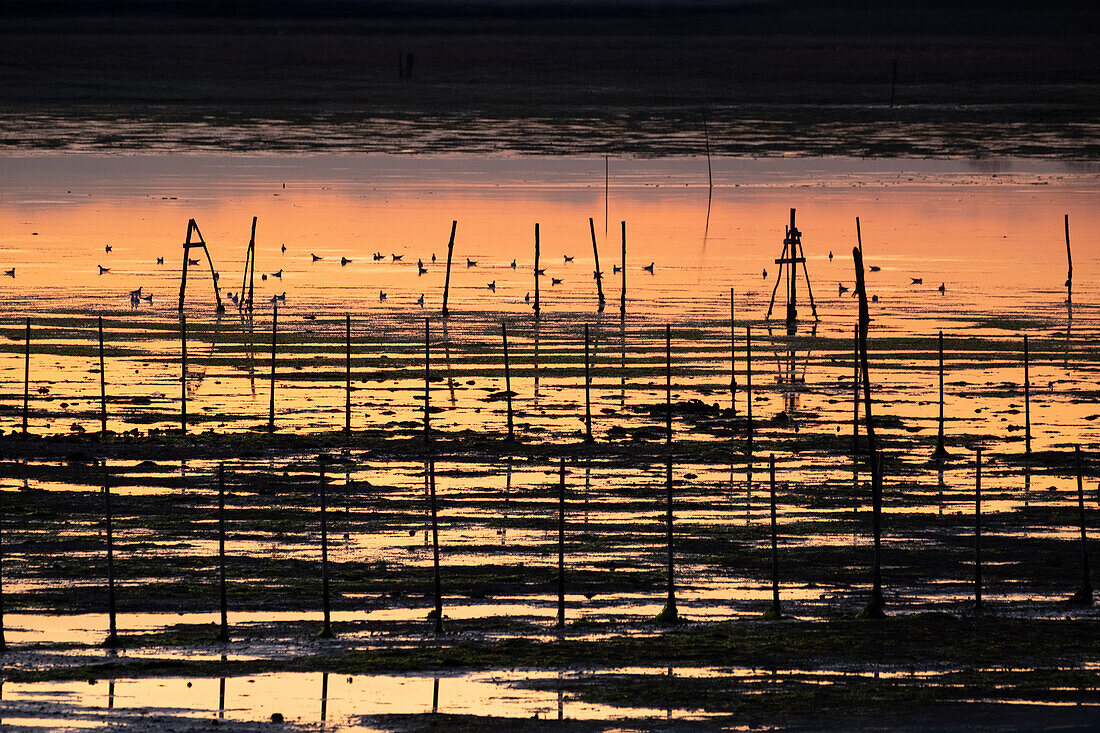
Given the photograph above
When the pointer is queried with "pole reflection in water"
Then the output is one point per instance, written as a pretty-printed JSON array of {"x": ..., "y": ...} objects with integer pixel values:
[
  {"x": 435, "y": 696},
  {"x": 324, "y": 697},
  {"x": 447, "y": 362}
]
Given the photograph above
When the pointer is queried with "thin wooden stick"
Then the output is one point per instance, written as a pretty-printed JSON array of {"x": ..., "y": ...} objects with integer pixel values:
[
  {"x": 112, "y": 636},
  {"x": 536, "y": 270},
  {"x": 855, "y": 391},
  {"x": 748, "y": 385},
  {"x": 223, "y": 635},
  {"x": 1027, "y": 401},
  {"x": 447, "y": 280},
  {"x": 622, "y": 271},
  {"x": 941, "y": 449},
  {"x": 587, "y": 390},
  {"x": 102, "y": 386},
  {"x": 1069, "y": 264},
  {"x": 183, "y": 373},
  {"x": 733, "y": 356},
  {"x": 507, "y": 380},
  {"x": 561, "y": 545},
  {"x": 326, "y": 628},
  {"x": 775, "y": 612},
  {"x": 3, "y": 641},
  {"x": 435, "y": 551},
  {"x": 26, "y": 378},
  {"x": 347, "y": 373},
  {"x": 668, "y": 385},
  {"x": 670, "y": 614},
  {"x": 1084, "y": 595},
  {"x": 978, "y": 531},
  {"x": 596, "y": 256},
  {"x": 274, "y": 331},
  {"x": 427, "y": 380}
]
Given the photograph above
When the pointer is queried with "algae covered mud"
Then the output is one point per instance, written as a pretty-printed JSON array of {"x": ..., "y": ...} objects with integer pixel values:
[{"x": 346, "y": 248}]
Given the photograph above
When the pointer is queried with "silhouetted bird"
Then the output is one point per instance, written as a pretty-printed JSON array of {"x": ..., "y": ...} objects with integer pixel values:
[
  {"x": 492, "y": 286},
  {"x": 527, "y": 298},
  {"x": 379, "y": 256},
  {"x": 192, "y": 262},
  {"x": 103, "y": 269},
  {"x": 513, "y": 264},
  {"x": 10, "y": 273},
  {"x": 344, "y": 261},
  {"x": 282, "y": 297},
  {"x": 615, "y": 269},
  {"x": 421, "y": 270},
  {"x": 830, "y": 255},
  {"x": 397, "y": 258},
  {"x": 107, "y": 249},
  {"x": 841, "y": 289},
  {"x": 568, "y": 258},
  {"x": 874, "y": 298},
  {"x": 135, "y": 293},
  {"x": 875, "y": 268},
  {"x": 148, "y": 298},
  {"x": 555, "y": 281},
  {"x": 765, "y": 273},
  {"x": 160, "y": 260},
  {"x": 917, "y": 281},
  {"x": 942, "y": 288},
  {"x": 470, "y": 263},
  {"x": 381, "y": 295},
  {"x": 433, "y": 256},
  {"x": 649, "y": 268},
  {"x": 263, "y": 276},
  {"x": 541, "y": 271},
  {"x": 278, "y": 274},
  {"x": 420, "y": 300},
  {"x": 284, "y": 248},
  {"x": 315, "y": 257}
]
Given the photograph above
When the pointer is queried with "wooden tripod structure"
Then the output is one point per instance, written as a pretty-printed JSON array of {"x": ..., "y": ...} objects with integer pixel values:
[
  {"x": 792, "y": 257},
  {"x": 245, "y": 300},
  {"x": 189, "y": 245}
]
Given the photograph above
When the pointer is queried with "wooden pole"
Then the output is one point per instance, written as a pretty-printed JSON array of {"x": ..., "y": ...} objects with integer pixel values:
[
  {"x": 274, "y": 332},
  {"x": 669, "y": 615},
  {"x": 606, "y": 192},
  {"x": 326, "y": 628},
  {"x": 706, "y": 137},
  {"x": 183, "y": 373},
  {"x": 1084, "y": 595},
  {"x": 1027, "y": 401},
  {"x": 668, "y": 385},
  {"x": 775, "y": 611},
  {"x": 3, "y": 641},
  {"x": 587, "y": 390},
  {"x": 855, "y": 391},
  {"x": 1069, "y": 262},
  {"x": 596, "y": 256},
  {"x": 978, "y": 531},
  {"x": 733, "y": 356},
  {"x": 561, "y": 545},
  {"x": 941, "y": 449},
  {"x": 347, "y": 373},
  {"x": 447, "y": 280},
  {"x": 435, "y": 551},
  {"x": 223, "y": 635},
  {"x": 102, "y": 385},
  {"x": 536, "y": 270},
  {"x": 507, "y": 380},
  {"x": 112, "y": 636},
  {"x": 427, "y": 380},
  {"x": 26, "y": 378},
  {"x": 748, "y": 385},
  {"x": 622, "y": 271}
]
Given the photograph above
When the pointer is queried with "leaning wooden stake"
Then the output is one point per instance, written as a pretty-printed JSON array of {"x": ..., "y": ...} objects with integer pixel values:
[
  {"x": 435, "y": 552},
  {"x": 978, "y": 531},
  {"x": 775, "y": 611},
  {"x": 326, "y": 628},
  {"x": 596, "y": 256},
  {"x": 26, "y": 378},
  {"x": 874, "y": 608},
  {"x": 537, "y": 311},
  {"x": 447, "y": 280},
  {"x": 347, "y": 373},
  {"x": 587, "y": 390},
  {"x": 1083, "y": 597},
  {"x": 112, "y": 636},
  {"x": 561, "y": 545},
  {"x": 223, "y": 635},
  {"x": 669, "y": 614},
  {"x": 507, "y": 381},
  {"x": 1027, "y": 401},
  {"x": 941, "y": 450},
  {"x": 1069, "y": 264},
  {"x": 183, "y": 373},
  {"x": 102, "y": 386},
  {"x": 274, "y": 332}
]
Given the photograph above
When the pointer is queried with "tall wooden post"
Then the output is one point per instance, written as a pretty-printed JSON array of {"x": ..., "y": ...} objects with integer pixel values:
[
  {"x": 748, "y": 386},
  {"x": 435, "y": 551},
  {"x": 587, "y": 390},
  {"x": 775, "y": 611},
  {"x": 427, "y": 381},
  {"x": 733, "y": 357},
  {"x": 223, "y": 635},
  {"x": 536, "y": 270},
  {"x": 1084, "y": 595},
  {"x": 326, "y": 628},
  {"x": 668, "y": 385},
  {"x": 183, "y": 373},
  {"x": 274, "y": 330},
  {"x": 102, "y": 385},
  {"x": 874, "y": 608},
  {"x": 26, "y": 378},
  {"x": 596, "y": 256},
  {"x": 941, "y": 449},
  {"x": 1069, "y": 265},
  {"x": 670, "y": 614},
  {"x": 561, "y": 545},
  {"x": 622, "y": 271},
  {"x": 507, "y": 380},
  {"x": 447, "y": 280},
  {"x": 112, "y": 636},
  {"x": 1027, "y": 402},
  {"x": 978, "y": 531},
  {"x": 855, "y": 391},
  {"x": 3, "y": 641},
  {"x": 347, "y": 373}
]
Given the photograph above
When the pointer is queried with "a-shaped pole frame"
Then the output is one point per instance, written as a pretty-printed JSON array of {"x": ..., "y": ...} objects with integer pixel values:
[
  {"x": 188, "y": 245},
  {"x": 245, "y": 300},
  {"x": 788, "y": 262}
]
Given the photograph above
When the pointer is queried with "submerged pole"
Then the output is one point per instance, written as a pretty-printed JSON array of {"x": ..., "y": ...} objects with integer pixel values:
[
  {"x": 748, "y": 385},
  {"x": 447, "y": 279},
  {"x": 775, "y": 611},
  {"x": 668, "y": 385},
  {"x": 326, "y": 628},
  {"x": 271, "y": 406},
  {"x": 561, "y": 545},
  {"x": 223, "y": 635},
  {"x": 978, "y": 531},
  {"x": 733, "y": 356},
  {"x": 435, "y": 551}
]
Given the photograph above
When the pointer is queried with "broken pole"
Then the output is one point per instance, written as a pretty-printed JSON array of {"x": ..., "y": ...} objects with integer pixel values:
[
  {"x": 102, "y": 386},
  {"x": 435, "y": 551},
  {"x": 587, "y": 389},
  {"x": 223, "y": 635},
  {"x": 978, "y": 531},
  {"x": 536, "y": 270},
  {"x": 447, "y": 279},
  {"x": 1083, "y": 597},
  {"x": 112, "y": 636},
  {"x": 274, "y": 332},
  {"x": 326, "y": 627},
  {"x": 1027, "y": 401},
  {"x": 596, "y": 256},
  {"x": 26, "y": 378},
  {"x": 507, "y": 380},
  {"x": 775, "y": 611},
  {"x": 561, "y": 545},
  {"x": 347, "y": 373}
]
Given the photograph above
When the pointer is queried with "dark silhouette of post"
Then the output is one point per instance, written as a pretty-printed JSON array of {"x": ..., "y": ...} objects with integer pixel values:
[
  {"x": 347, "y": 373},
  {"x": 26, "y": 378},
  {"x": 183, "y": 373},
  {"x": 587, "y": 390},
  {"x": 249, "y": 278},
  {"x": 941, "y": 449},
  {"x": 326, "y": 628},
  {"x": 775, "y": 611},
  {"x": 855, "y": 390},
  {"x": 447, "y": 279},
  {"x": 435, "y": 551},
  {"x": 978, "y": 531},
  {"x": 188, "y": 245},
  {"x": 274, "y": 332},
  {"x": 1069, "y": 265},
  {"x": 733, "y": 356},
  {"x": 223, "y": 635},
  {"x": 874, "y": 608},
  {"x": 1027, "y": 401},
  {"x": 669, "y": 614},
  {"x": 537, "y": 311},
  {"x": 668, "y": 385},
  {"x": 507, "y": 380},
  {"x": 622, "y": 271},
  {"x": 3, "y": 641},
  {"x": 1083, "y": 596},
  {"x": 748, "y": 386},
  {"x": 112, "y": 636},
  {"x": 561, "y": 546},
  {"x": 596, "y": 256},
  {"x": 427, "y": 380},
  {"x": 102, "y": 385}
]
